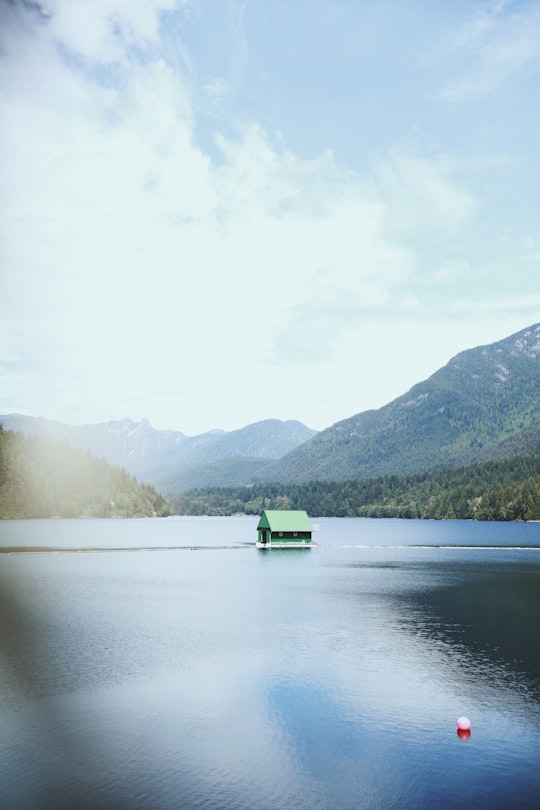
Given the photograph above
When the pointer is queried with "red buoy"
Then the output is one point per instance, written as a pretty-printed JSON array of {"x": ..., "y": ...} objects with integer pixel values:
[{"x": 464, "y": 724}]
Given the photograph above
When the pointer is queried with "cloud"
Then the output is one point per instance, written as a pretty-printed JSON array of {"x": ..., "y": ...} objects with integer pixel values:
[
  {"x": 136, "y": 258},
  {"x": 106, "y": 30},
  {"x": 366, "y": 262},
  {"x": 422, "y": 194},
  {"x": 217, "y": 89},
  {"x": 497, "y": 44},
  {"x": 450, "y": 271},
  {"x": 137, "y": 262}
]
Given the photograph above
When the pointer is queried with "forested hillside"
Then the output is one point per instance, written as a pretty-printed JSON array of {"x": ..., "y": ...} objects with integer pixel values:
[
  {"x": 485, "y": 403},
  {"x": 494, "y": 490},
  {"x": 48, "y": 479}
]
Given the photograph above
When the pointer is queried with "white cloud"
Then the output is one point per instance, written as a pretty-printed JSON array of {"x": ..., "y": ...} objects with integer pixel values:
[
  {"x": 422, "y": 195},
  {"x": 137, "y": 265},
  {"x": 498, "y": 43},
  {"x": 216, "y": 89},
  {"x": 102, "y": 29},
  {"x": 450, "y": 271}
]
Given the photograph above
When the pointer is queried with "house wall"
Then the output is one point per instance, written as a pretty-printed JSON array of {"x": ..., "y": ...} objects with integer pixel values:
[{"x": 291, "y": 537}]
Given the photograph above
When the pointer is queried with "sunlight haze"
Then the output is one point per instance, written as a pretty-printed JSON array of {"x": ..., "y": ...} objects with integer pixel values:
[{"x": 215, "y": 213}]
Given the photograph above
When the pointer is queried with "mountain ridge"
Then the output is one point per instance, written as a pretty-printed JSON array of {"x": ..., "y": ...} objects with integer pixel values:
[
  {"x": 481, "y": 400},
  {"x": 155, "y": 456},
  {"x": 483, "y": 404}
]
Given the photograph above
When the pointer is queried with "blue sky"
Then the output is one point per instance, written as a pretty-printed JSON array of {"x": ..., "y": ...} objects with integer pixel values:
[{"x": 220, "y": 211}]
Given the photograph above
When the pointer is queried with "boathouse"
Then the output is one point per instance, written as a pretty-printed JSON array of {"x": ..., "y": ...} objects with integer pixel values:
[{"x": 284, "y": 529}]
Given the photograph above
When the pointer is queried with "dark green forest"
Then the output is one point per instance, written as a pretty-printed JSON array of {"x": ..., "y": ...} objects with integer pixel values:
[
  {"x": 41, "y": 479},
  {"x": 493, "y": 490}
]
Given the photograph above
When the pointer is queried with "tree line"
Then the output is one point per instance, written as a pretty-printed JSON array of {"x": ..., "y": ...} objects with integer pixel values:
[
  {"x": 495, "y": 490},
  {"x": 39, "y": 478}
]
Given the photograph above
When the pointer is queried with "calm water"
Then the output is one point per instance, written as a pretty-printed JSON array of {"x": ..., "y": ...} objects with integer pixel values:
[{"x": 176, "y": 666}]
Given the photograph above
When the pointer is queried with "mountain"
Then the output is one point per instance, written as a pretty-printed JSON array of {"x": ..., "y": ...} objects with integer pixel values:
[
  {"x": 484, "y": 404},
  {"x": 234, "y": 458},
  {"x": 170, "y": 458},
  {"x": 40, "y": 478},
  {"x": 135, "y": 446},
  {"x": 269, "y": 439},
  {"x": 237, "y": 471}
]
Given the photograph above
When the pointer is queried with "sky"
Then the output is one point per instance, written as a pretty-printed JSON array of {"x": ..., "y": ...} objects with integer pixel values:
[{"x": 215, "y": 212}]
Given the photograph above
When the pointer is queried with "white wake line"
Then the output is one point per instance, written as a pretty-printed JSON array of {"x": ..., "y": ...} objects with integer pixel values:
[
  {"x": 112, "y": 549},
  {"x": 436, "y": 546},
  {"x": 9, "y": 550}
]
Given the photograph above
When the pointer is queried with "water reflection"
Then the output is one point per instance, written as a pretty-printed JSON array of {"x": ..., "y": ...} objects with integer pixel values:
[
  {"x": 487, "y": 618},
  {"x": 229, "y": 680},
  {"x": 316, "y": 723}
]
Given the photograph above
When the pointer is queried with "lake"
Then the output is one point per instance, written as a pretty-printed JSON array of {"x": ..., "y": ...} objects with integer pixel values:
[{"x": 168, "y": 663}]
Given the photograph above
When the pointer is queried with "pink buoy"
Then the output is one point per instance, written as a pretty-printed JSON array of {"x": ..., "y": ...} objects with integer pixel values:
[{"x": 463, "y": 724}]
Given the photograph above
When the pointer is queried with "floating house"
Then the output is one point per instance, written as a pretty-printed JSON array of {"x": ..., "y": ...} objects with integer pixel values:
[{"x": 284, "y": 529}]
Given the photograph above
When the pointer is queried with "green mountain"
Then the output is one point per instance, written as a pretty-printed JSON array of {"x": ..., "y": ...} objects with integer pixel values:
[
  {"x": 40, "y": 479},
  {"x": 168, "y": 459},
  {"x": 484, "y": 404}
]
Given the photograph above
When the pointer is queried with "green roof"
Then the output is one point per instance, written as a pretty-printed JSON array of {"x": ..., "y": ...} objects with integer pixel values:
[{"x": 283, "y": 520}]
